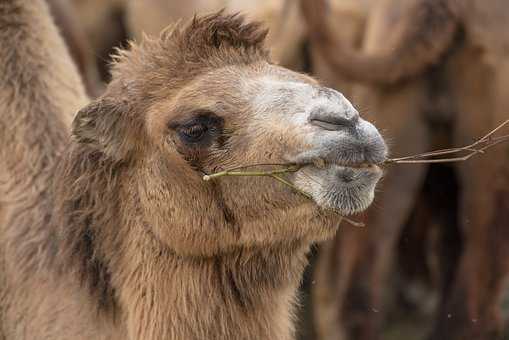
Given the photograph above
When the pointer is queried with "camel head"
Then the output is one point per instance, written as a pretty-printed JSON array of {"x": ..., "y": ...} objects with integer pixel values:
[{"x": 203, "y": 98}]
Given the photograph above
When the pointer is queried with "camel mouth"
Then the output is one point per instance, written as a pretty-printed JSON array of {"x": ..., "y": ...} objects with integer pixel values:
[
  {"x": 345, "y": 187},
  {"x": 320, "y": 163}
]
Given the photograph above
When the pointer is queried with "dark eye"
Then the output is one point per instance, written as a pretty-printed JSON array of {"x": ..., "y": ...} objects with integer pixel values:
[{"x": 193, "y": 133}]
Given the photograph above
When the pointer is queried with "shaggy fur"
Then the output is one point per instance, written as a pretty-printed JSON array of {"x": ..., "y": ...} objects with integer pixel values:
[{"x": 113, "y": 234}]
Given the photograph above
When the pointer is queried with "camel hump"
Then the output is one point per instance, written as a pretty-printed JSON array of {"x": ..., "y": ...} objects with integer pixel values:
[{"x": 40, "y": 90}]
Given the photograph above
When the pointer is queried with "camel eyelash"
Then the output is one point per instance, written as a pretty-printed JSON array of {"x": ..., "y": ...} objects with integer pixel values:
[
  {"x": 193, "y": 133},
  {"x": 204, "y": 117},
  {"x": 201, "y": 129}
]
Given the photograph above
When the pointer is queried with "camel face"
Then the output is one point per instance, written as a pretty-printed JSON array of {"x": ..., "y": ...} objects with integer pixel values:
[
  {"x": 206, "y": 98},
  {"x": 265, "y": 114}
]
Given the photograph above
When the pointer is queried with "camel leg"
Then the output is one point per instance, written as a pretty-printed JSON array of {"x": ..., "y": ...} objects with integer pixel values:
[
  {"x": 430, "y": 244},
  {"x": 471, "y": 312},
  {"x": 352, "y": 269},
  {"x": 471, "y": 308},
  {"x": 67, "y": 19}
]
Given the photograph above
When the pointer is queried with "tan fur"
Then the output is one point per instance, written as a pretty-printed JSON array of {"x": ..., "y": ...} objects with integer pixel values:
[{"x": 112, "y": 234}]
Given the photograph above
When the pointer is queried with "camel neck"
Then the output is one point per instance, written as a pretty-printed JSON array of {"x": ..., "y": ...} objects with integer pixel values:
[
  {"x": 247, "y": 293},
  {"x": 242, "y": 295}
]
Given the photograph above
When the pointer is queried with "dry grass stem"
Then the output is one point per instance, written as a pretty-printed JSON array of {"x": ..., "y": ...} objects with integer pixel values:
[
  {"x": 461, "y": 154},
  {"x": 275, "y": 174}
]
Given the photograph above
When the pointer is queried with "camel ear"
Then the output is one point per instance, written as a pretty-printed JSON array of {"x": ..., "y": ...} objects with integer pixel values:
[{"x": 101, "y": 125}]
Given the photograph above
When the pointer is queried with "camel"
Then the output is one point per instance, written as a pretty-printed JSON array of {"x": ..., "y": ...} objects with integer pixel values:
[
  {"x": 103, "y": 22},
  {"x": 67, "y": 20},
  {"x": 414, "y": 48},
  {"x": 347, "y": 19},
  {"x": 110, "y": 230},
  {"x": 403, "y": 57}
]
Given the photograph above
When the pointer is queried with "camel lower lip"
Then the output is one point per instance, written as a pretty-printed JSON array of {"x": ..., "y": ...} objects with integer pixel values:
[{"x": 344, "y": 188}]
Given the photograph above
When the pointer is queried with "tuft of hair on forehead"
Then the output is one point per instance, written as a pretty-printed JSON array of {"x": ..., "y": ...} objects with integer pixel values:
[
  {"x": 218, "y": 30},
  {"x": 188, "y": 48}
]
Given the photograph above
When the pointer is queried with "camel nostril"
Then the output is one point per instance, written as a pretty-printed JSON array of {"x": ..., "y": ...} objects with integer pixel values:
[{"x": 334, "y": 121}]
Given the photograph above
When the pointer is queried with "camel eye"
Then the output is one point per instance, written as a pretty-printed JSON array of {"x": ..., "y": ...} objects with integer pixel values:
[
  {"x": 193, "y": 133},
  {"x": 199, "y": 131}
]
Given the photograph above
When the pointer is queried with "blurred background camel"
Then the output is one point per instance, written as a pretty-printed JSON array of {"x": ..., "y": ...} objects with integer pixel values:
[
  {"x": 436, "y": 69},
  {"x": 432, "y": 74}
]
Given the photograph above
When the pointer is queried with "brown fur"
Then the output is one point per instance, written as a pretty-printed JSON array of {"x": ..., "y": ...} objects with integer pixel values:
[
  {"x": 463, "y": 90},
  {"x": 113, "y": 234}
]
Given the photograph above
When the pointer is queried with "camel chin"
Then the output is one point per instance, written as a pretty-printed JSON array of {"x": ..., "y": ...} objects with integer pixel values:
[{"x": 344, "y": 189}]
